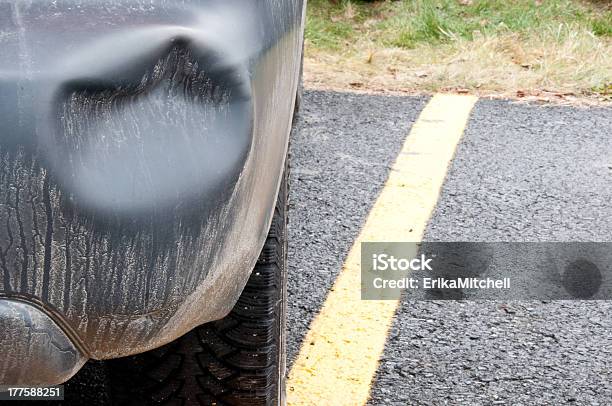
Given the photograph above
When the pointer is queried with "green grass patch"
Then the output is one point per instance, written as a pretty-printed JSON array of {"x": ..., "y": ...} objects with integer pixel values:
[{"x": 408, "y": 23}]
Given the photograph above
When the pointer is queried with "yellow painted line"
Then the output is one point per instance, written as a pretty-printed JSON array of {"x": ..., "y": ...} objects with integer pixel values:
[{"x": 340, "y": 353}]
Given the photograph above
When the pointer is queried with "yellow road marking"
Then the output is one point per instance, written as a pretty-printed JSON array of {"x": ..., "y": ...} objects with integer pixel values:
[{"x": 340, "y": 353}]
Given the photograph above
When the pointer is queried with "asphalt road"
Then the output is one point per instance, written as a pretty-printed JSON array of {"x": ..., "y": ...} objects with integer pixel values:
[
  {"x": 341, "y": 156},
  {"x": 521, "y": 173}
]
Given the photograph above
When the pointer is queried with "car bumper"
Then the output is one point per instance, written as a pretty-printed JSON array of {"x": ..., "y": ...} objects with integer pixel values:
[{"x": 137, "y": 187}]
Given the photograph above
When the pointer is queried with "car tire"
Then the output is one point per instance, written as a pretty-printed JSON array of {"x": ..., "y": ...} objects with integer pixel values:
[{"x": 238, "y": 360}]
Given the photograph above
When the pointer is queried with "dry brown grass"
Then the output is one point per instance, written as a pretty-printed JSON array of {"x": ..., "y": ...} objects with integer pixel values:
[{"x": 566, "y": 62}]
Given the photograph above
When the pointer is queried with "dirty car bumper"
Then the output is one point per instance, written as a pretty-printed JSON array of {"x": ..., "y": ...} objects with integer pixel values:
[{"x": 141, "y": 151}]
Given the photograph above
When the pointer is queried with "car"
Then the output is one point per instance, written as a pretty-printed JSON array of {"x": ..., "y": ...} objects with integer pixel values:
[{"x": 143, "y": 195}]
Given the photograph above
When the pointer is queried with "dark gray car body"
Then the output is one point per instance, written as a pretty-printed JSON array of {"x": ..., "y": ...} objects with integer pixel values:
[{"x": 141, "y": 149}]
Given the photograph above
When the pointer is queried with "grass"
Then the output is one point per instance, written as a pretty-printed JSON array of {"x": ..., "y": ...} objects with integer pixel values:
[{"x": 517, "y": 46}]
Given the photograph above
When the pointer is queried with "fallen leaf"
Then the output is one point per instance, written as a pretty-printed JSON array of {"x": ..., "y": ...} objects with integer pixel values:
[
  {"x": 356, "y": 84},
  {"x": 520, "y": 93}
]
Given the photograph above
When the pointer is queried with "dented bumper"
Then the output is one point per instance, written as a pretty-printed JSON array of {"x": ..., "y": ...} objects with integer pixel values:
[{"x": 141, "y": 151}]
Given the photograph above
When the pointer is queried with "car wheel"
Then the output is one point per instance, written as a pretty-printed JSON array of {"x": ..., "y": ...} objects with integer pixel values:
[{"x": 238, "y": 360}]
